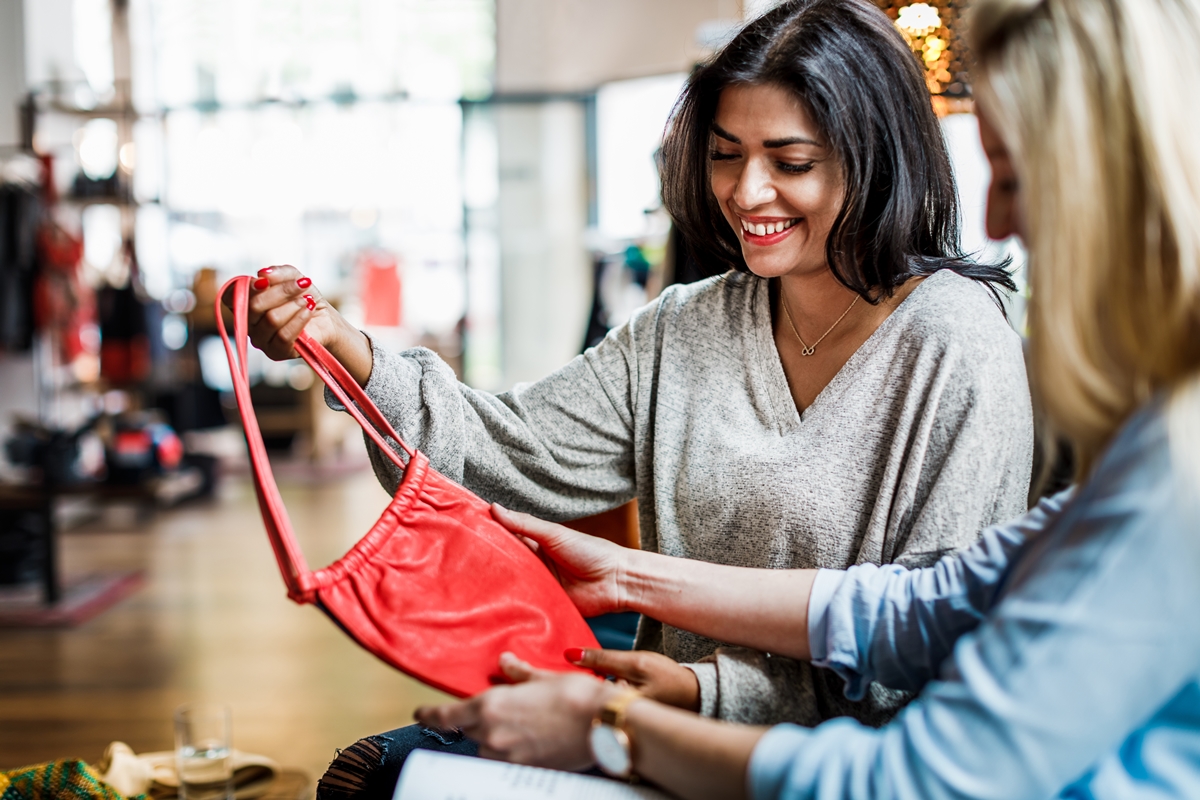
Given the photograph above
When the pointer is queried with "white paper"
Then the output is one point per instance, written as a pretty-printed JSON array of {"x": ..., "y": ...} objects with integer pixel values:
[{"x": 441, "y": 776}]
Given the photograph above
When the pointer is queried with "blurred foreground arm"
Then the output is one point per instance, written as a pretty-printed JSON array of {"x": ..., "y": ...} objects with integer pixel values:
[{"x": 544, "y": 720}]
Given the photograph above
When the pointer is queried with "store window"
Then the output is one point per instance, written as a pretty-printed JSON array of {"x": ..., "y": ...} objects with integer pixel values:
[{"x": 323, "y": 134}]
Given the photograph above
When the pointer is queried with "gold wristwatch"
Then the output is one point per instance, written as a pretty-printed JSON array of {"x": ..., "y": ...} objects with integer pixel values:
[{"x": 610, "y": 742}]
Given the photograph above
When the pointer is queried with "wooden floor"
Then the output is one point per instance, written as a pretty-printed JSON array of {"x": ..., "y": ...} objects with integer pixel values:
[{"x": 212, "y": 622}]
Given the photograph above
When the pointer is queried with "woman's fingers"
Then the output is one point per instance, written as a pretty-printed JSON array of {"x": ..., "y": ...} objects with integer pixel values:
[
  {"x": 279, "y": 273},
  {"x": 285, "y": 337},
  {"x": 283, "y": 301},
  {"x": 519, "y": 671},
  {"x": 278, "y": 286},
  {"x": 653, "y": 674},
  {"x": 622, "y": 664},
  {"x": 464, "y": 715},
  {"x": 528, "y": 526},
  {"x": 533, "y": 546}
]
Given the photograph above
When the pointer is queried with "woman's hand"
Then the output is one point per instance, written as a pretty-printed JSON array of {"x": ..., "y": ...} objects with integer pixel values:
[
  {"x": 590, "y": 569},
  {"x": 283, "y": 303},
  {"x": 543, "y": 720},
  {"x": 657, "y": 676}
]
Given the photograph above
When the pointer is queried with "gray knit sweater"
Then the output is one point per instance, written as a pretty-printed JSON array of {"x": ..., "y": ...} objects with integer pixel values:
[{"x": 920, "y": 441}]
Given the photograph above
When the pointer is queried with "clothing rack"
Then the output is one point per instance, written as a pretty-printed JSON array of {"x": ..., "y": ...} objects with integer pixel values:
[{"x": 22, "y": 208}]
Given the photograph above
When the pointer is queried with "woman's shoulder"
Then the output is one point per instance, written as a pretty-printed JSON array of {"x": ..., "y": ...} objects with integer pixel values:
[
  {"x": 948, "y": 310},
  {"x": 718, "y": 289},
  {"x": 1140, "y": 451},
  {"x": 722, "y": 301}
]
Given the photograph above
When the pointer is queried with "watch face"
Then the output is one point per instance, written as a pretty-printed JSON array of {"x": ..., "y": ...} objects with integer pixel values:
[{"x": 610, "y": 748}]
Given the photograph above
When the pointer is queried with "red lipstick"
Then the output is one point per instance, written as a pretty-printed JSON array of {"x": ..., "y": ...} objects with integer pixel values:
[{"x": 767, "y": 239}]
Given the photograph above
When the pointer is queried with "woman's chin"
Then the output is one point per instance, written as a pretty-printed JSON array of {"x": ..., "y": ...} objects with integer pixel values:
[{"x": 777, "y": 267}]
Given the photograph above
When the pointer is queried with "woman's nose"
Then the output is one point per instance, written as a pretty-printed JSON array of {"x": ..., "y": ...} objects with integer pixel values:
[{"x": 754, "y": 187}]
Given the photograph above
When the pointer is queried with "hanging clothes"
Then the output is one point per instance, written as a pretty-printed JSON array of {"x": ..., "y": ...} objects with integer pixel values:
[
  {"x": 63, "y": 305},
  {"x": 20, "y": 212},
  {"x": 124, "y": 332}
]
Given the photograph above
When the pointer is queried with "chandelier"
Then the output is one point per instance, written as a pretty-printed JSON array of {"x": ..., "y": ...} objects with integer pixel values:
[{"x": 932, "y": 30}]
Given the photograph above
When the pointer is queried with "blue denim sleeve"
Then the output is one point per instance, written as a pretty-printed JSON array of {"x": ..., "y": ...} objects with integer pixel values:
[
  {"x": 1079, "y": 679},
  {"x": 894, "y": 625}
]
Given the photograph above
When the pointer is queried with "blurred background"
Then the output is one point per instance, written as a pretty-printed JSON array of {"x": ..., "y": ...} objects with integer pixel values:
[{"x": 474, "y": 176}]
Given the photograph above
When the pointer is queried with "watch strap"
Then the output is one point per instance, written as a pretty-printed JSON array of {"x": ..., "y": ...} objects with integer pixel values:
[{"x": 613, "y": 712}]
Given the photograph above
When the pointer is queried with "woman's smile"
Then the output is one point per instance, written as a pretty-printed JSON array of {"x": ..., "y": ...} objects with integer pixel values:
[{"x": 766, "y": 231}]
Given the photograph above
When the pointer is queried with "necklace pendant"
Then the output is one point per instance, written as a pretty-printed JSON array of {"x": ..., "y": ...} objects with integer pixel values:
[{"x": 807, "y": 351}]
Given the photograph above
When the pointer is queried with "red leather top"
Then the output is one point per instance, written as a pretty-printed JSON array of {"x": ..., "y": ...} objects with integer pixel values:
[{"x": 437, "y": 588}]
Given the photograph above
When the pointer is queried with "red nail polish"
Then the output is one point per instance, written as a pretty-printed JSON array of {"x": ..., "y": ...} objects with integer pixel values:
[
  {"x": 261, "y": 283},
  {"x": 573, "y": 654},
  {"x": 308, "y": 298},
  {"x": 304, "y": 283},
  {"x": 266, "y": 270}
]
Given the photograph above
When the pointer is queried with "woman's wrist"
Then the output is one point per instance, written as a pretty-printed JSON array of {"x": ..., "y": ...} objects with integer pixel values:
[
  {"x": 639, "y": 579},
  {"x": 353, "y": 349}
]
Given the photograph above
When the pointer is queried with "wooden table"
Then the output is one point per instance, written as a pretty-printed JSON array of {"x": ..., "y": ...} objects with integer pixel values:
[
  {"x": 290, "y": 784},
  {"x": 39, "y": 502}
]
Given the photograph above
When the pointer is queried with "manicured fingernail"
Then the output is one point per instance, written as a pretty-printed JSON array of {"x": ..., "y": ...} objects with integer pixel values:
[
  {"x": 266, "y": 270},
  {"x": 308, "y": 298},
  {"x": 573, "y": 654},
  {"x": 261, "y": 283},
  {"x": 304, "y": 283}
]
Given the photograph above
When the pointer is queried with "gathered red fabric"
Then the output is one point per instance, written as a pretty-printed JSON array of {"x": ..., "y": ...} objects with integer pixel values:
[{"x": 437, "y": 588}]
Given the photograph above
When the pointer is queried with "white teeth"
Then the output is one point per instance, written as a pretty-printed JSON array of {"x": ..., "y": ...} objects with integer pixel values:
[{"x": 768, "y": 228}]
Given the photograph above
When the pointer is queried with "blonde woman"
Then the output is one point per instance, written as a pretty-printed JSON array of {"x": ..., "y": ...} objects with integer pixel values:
[{"x": 1059, "y": 656}]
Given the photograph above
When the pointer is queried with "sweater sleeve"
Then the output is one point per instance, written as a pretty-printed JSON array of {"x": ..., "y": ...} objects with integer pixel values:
[
  {"x": 1074, "y": 683},
  {"x": 560, "y": 448}
]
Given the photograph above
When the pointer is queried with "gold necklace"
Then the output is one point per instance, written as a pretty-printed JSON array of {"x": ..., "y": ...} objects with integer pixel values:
[{"x": 805, "y": 350}]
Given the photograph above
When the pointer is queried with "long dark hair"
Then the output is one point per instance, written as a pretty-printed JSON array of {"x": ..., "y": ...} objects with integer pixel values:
[{"x": 860, "y": 81}]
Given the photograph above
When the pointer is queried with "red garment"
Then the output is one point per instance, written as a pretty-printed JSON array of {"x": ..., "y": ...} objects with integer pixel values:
[
  {"x": 62, "y": 303},
  {"x": 437, "y": 588},
  {"x": 380, "y": 289}
]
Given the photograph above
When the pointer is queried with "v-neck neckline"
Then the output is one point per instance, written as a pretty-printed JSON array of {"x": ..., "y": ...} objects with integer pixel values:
[{"x": 788, "y": 415}]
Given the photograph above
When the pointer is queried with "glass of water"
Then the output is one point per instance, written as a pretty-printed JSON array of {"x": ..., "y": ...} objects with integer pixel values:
[{"x": 202, "y": 751}]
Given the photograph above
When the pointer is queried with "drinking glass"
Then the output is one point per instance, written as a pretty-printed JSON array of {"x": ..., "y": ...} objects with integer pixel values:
[{"x": 202, "y": 757}]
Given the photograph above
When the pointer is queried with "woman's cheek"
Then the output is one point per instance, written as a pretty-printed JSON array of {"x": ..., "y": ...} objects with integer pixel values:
[{"x": 722, "y": 189}]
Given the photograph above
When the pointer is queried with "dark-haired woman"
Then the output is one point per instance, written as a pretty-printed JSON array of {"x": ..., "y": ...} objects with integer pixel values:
[{"x": 848, "y": 391}]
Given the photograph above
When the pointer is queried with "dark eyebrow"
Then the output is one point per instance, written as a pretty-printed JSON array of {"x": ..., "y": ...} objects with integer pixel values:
[
  {"x": 773, "y": 143},
  {"x": 724, "y": 134},
  {"x": 770, "y": 144}
]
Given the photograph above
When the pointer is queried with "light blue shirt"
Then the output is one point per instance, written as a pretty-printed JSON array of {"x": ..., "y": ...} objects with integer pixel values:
[{"x": 1057, "y": 657}]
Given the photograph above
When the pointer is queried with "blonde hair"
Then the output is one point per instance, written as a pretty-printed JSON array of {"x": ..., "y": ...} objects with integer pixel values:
[{"x": 1097, "y": 102}]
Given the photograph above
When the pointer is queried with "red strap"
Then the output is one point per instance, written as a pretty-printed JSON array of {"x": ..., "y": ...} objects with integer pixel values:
[
  {"x": 340, "y": 382},
  {"x": 292, "y": 566}
]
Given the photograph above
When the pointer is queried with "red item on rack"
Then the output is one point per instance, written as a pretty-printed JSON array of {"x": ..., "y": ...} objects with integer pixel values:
[
  {"x": 62, "y": 303},
  {"x": 381, "y": 290}
]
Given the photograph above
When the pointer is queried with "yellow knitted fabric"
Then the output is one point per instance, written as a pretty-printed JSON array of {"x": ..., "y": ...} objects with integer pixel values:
[{"x": 57, "y": 780}]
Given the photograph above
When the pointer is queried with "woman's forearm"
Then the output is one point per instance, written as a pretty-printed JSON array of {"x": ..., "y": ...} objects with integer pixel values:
[
  {"x": 352, "y": 347},
  {"x": 691, "y": 756},
  {"x": 765, "y": 609}
]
